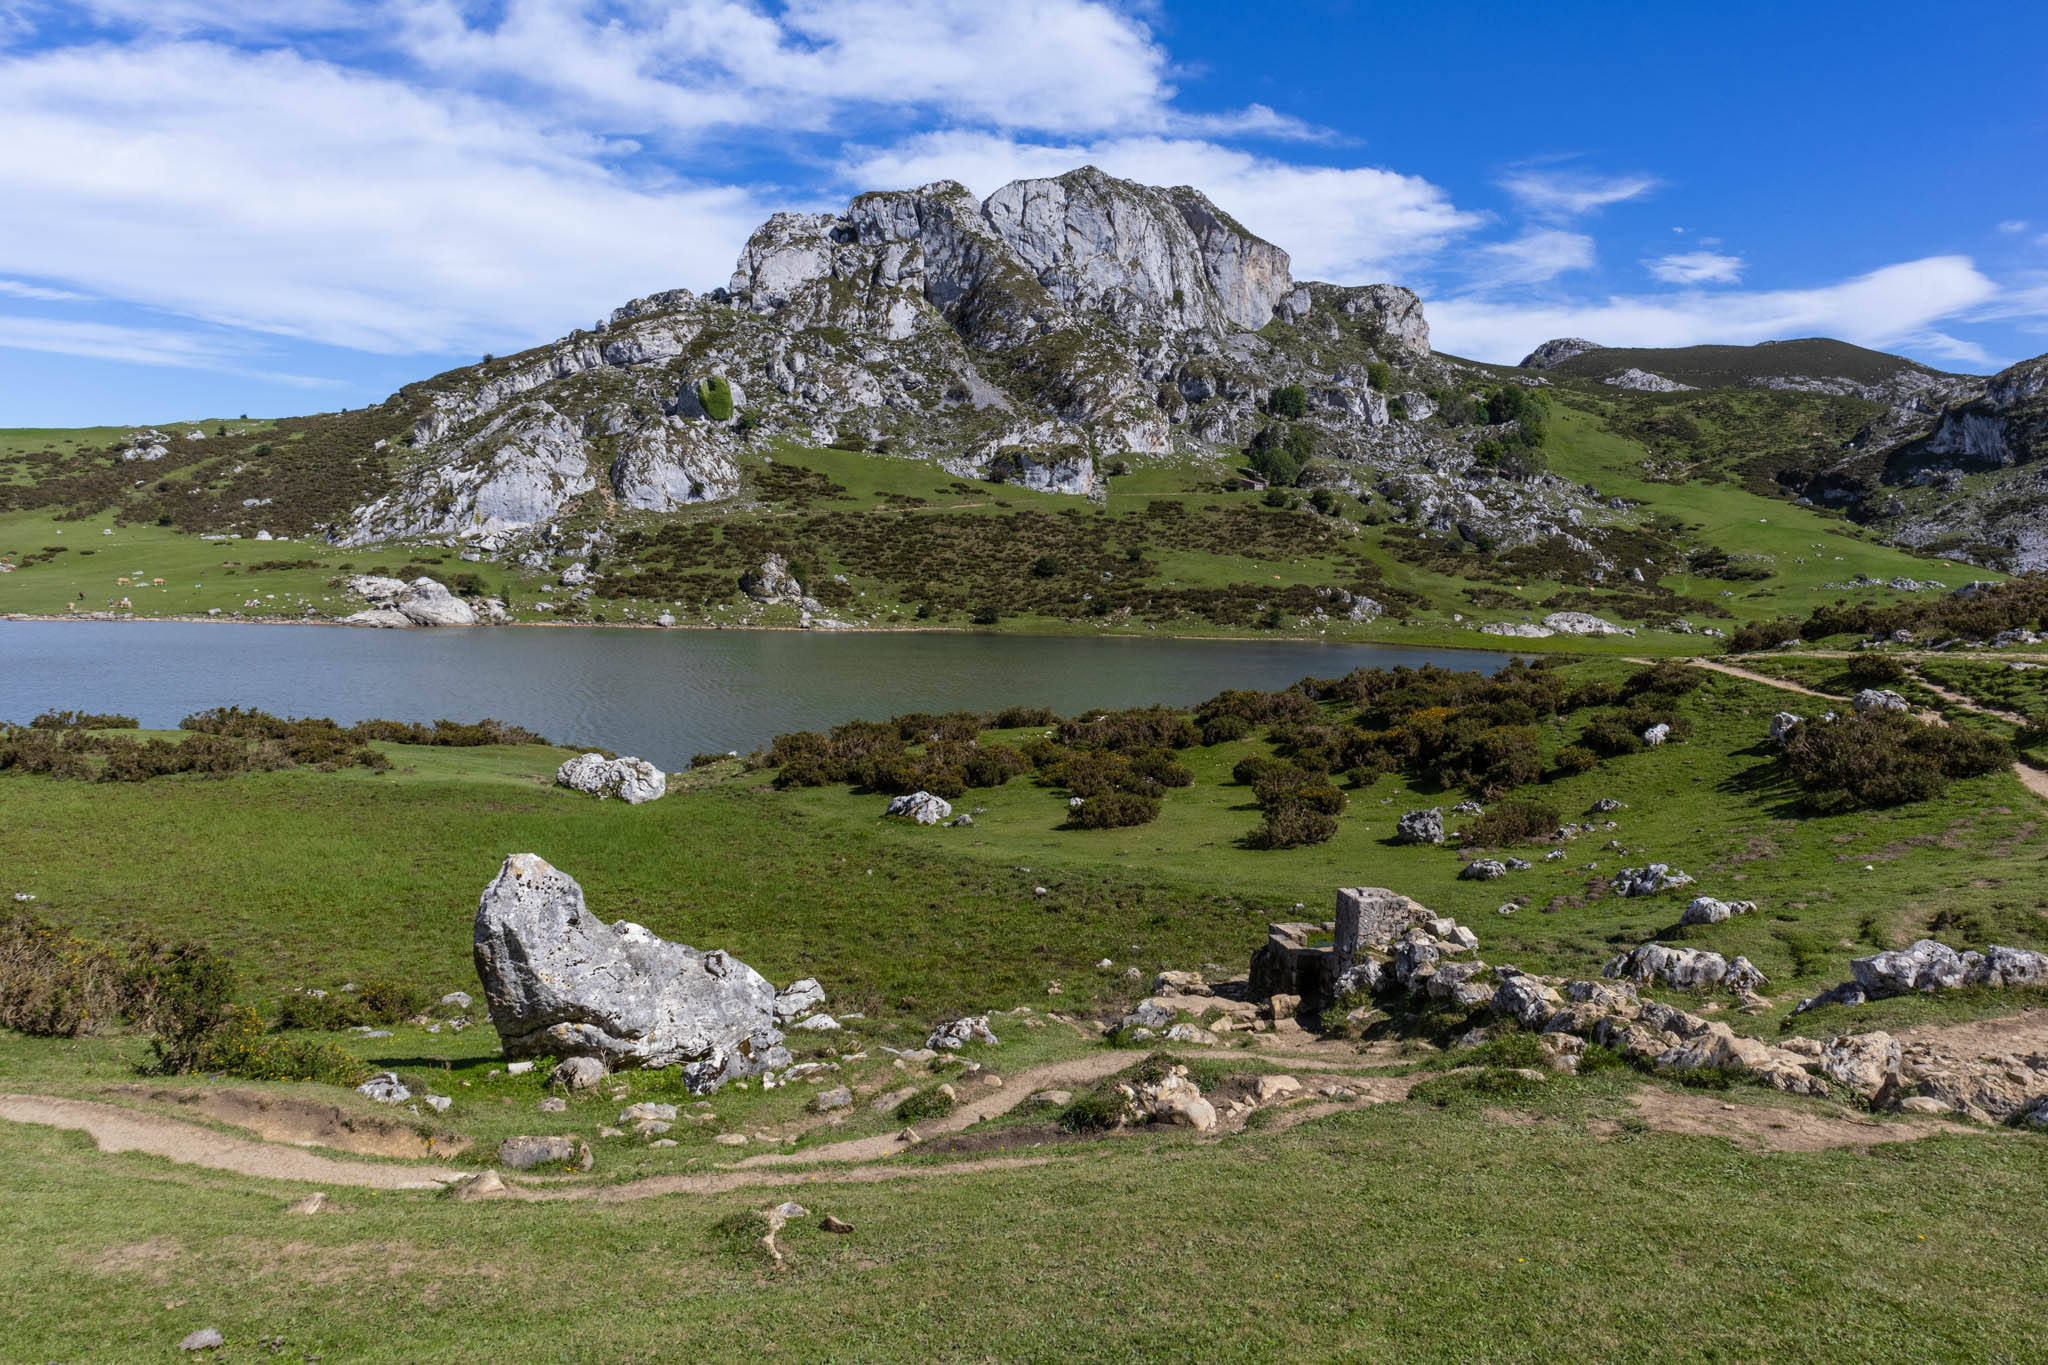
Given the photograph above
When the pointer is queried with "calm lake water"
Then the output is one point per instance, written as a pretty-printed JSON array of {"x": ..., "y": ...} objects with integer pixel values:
[{"x": 663, "y": 695}]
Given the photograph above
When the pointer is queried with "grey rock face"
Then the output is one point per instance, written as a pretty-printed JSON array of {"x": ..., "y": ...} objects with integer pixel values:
[
  {"x": 1583, "y": 623},
  {"x": 671, "y": 463},
  {"x": 1420, "y": 827},
  {"x": 562, "y": 983},
  {"x": 1556, "y": 351},
  {"x": 1684, "y": 968},
  {"x": 772, "y": 582},
  {"x": 632, "y": 780},
  {"x": 1646, "y": 382},
  {"x": 422, "y": 602}
]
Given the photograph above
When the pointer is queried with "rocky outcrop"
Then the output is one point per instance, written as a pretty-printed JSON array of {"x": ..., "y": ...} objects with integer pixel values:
[
  {"x": 1556, "y": 351},
  {"x": 1645, "y": 382},
  {"x": 1034, "y": 337},
  {"x": 1583, "y": 623},
  {"x": 396, "y": 603},
  {"x": 1707, "y": 910},
  {"x": 561, "y": 983},
  {"x": 632, "y": 780},
  {"x": 1684, "y": 968},
  {"x": 1648, "y": 881},
  {"x": 1781, "y": 725},
  {"x": 1873, "y": 700}
]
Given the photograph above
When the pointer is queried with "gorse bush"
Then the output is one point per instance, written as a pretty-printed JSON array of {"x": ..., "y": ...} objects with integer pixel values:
[
  {"x": 1513, "y": 822},
  {"x": 1884, "y": 759},
  {"x": 377, "y": 1002},
  {"x": 54, "y": 984},
  {"x": 81, "y": 720},
  {"x": 1113, "y": 810}
]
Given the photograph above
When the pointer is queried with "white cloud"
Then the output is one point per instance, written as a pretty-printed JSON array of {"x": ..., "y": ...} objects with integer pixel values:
[
  {"x": 1350, "y": 225},
  {"x": 16, "y": 289},
  {"x": 269, "y": 192},
  {"x": 1538, "y": 255},
  {"x": 1573, "y": 194},
  {"x": 1885, "y": 307},
  {"x": 2014, "y": 225},
  {"x": 141, "y": 346},
  {"x": 1696, "y": 267}
]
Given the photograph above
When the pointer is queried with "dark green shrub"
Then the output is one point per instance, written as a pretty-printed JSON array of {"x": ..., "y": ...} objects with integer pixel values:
[
  {"x": 1017, "y": 717},
  {"x": 1091, "y": 1112},
  {"x": 714, "y": 392},
  {"x": 1291, "y": 824},
  {"x": 1887, "y": 759},
  {"x": 1224, "y": 729},
  {"x": 183, "y": 993},
  {"x": 238, "y": 1046},
  {"x": 1249, "y": 770},
  {"x": 1574, "y": 759},
  {"x": 1876, "y": 670},
  {"x": 1289, "y": 401},
  {"x": 932, "y": 1102},
  {"x": 1513, "y": 822},
  {"x": 81, "y": 720},
  {"x": 1379, "y": 374},
  {"x": 1113, "y": 810}
]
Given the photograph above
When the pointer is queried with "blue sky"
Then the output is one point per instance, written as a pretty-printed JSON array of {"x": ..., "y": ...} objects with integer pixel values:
[{"x": 217, "y": 207}]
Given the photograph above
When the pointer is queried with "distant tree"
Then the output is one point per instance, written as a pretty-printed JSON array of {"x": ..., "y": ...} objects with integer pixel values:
[
  {"x": 1290, "y": 402},
  {"x": 1379, "y": 374}
]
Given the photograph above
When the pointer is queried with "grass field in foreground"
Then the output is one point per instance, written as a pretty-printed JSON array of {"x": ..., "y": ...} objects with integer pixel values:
[
  {"x": 1542, "y": 1228},
  {"x": 1533, "y": 1222}
]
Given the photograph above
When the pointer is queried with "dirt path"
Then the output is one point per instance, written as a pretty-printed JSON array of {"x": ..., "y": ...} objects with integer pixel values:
[
  {"x": 126, "y": 1130},
  {"x": 1750, "y": 675}
]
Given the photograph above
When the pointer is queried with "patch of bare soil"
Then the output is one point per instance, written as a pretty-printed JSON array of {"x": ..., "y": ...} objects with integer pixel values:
[
  {"x": 1024, "y": 1138},
  {"x": 127, "y": 1130},
  {"x": 2018, "y": 1033},
  {"x": 151, "y": 1259},
  {"x": 1768, "y": 1127},
  {"x": 305, "y": 1123}
]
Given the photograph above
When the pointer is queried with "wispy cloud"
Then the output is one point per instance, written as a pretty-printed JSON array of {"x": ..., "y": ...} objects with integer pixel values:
[
  {"x": 16, "y": 289},
  {"x": 1557, "y": 194},
  {"x": 143, "y": 346},
  {"x": 2014, "y": 226},
  {"x": 1884, "y": 307},
  {"x": 1696, "y": 267},
  {"x": 1535, "y": 257}
]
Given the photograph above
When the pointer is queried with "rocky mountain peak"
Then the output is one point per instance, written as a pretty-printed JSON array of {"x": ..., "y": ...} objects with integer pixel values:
[
  {"x": 1558, "y": 350},
  {"x": 1029, "y": 336}
]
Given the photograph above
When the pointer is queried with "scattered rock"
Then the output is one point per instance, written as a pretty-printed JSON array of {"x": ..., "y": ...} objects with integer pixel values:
[
  {"x": 1648, "y": 881},
  {"x": 205, "y": 1339},
  {"x": 798, "y": 998},
  {"x": 839, "y": 1097},
  {"x": 1873, "y": 700},
  {"x": 385, "y": 1088},
  {"x": 578, "y": 1073},
  {"x": 487, "y": 1185},
  {"x": 831, "y": 1224},
  {"x": 315, "y": 1202},
  {"x": 957, "y": 1033},
  {"x": 1707, "y": 910},
  {"x": 1781, "y": 725},
  {"x": 554, "y": 1104},
  {"x": 1420, "y": 827},
  {"x": 1482, "y": 870},
  {"x": 524, "y": 1153}
]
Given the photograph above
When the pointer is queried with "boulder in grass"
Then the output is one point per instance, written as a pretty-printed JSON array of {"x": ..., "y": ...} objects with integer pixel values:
[
  {"x": 632, "y": 780},
  {"x": 560, "y": 982},
  {"x": 922, "y": 807}
]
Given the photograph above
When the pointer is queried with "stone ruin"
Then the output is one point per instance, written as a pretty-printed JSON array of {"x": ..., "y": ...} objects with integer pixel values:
[{"x": 1293, "y": 962}]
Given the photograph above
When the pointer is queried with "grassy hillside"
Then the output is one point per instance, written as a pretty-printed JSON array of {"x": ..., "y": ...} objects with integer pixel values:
[
  {"x": 892, "y": 543},
  {"x": 1738, "y": 366}
]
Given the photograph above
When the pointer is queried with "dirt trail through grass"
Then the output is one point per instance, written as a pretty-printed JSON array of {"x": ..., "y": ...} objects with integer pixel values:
[{"x": 126, "y": 1130}]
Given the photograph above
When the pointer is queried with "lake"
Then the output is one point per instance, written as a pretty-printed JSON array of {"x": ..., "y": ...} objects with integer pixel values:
[{"x": 662, "y": 695}]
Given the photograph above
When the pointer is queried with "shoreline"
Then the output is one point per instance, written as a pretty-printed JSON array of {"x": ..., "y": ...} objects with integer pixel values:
[{"x": 106, "y": 618}]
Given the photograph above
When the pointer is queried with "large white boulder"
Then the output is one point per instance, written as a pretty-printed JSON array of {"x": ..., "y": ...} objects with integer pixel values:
[
  {"x": 560, "y": 982},
  {"x": 922, "y": 807},
  {"x": 632, "y": 780}
]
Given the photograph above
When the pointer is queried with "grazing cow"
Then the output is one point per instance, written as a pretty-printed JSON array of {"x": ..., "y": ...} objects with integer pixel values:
[
  {"x": 156, "y": 582},
  {"x": 121, "y": 582}
]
